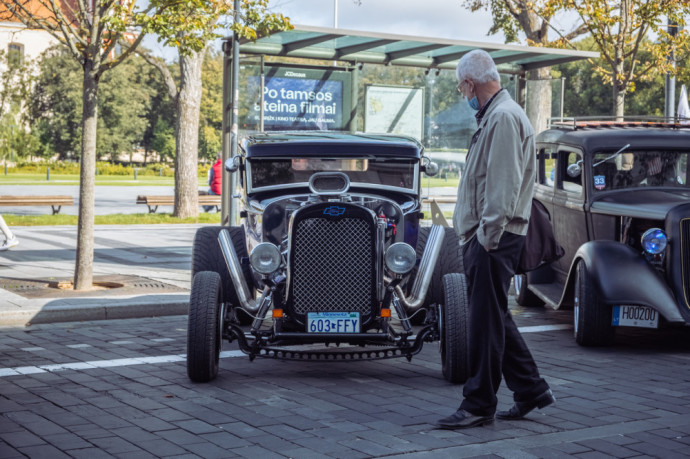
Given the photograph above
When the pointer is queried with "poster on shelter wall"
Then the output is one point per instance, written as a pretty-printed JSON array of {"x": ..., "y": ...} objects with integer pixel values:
[
  {"x": 395, "y": 110},
  {"x": 303, "y": 99}
]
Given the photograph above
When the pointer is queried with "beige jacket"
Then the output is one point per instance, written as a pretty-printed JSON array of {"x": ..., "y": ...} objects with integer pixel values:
[{"x": 495, "y": 193}]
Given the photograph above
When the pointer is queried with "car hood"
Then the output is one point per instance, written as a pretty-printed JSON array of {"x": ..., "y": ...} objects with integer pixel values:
[{"x": 648, "y": 204}]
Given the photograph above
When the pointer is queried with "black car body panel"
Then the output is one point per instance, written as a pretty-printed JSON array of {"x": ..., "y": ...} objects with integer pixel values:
[{"x": 612, "y": 183}]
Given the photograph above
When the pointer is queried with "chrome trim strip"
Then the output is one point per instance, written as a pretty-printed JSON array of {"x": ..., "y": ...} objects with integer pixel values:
[
  {"x": 235, "y": 269},
  {"x": 426, "y": 270}
]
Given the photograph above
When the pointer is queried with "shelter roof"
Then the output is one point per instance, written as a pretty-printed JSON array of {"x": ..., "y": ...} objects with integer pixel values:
[{"x": 388, "y": 49}]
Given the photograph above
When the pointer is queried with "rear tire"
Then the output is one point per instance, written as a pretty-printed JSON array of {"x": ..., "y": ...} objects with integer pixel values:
[
  {"x": 204, "y": 328},
  {"x": 207, "y": 256},
  {"x": 592, "y": 318},
  {"x": 453, "y": 326}
]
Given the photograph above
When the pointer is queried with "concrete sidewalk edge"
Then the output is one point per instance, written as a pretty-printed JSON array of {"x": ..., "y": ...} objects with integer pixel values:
[{"x": 94, "y": 308}]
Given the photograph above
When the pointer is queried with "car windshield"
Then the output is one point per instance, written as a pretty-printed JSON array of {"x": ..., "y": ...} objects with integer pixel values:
[
  {"x": 398, "y": 173},
  {"x": 640, "y": 168}
]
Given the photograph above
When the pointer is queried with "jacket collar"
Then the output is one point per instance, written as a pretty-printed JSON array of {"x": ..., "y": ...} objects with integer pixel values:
[{"x": 489, "y": 105}]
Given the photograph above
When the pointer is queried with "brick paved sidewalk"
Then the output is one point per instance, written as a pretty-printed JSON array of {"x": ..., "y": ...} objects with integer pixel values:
[{"x": 120, "y": 389}]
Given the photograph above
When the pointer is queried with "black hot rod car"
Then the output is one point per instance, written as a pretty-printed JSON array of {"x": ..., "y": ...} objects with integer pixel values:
[
  {"x": 330, "y": 261},
  {"x": 618, "y": 193}
]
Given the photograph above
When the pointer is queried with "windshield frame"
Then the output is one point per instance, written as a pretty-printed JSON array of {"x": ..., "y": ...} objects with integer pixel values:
[
  {"x": 635, "y": 173},
  {"x": 413, "y": 189}
]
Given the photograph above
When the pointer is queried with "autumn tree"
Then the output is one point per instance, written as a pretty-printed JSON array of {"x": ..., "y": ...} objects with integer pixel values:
[
  {"x": 92, "y": 31},
  {"x": 192, "y": 44},
  {"x": 619, "y": 29},
  {"x": 533, "y": 18}
]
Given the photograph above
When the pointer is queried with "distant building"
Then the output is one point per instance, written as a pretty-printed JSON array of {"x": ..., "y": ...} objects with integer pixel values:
[{"x": 19, "y": 42}]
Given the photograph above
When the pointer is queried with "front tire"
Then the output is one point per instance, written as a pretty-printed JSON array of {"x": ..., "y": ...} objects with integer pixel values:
[
  {"x": 453, "y": 326},
  {"x": 523, "y": 295},
  {"x": 592, "y": 318},
  {"x": 204, "y": 328},
  {"x": 207, "y": 256}
]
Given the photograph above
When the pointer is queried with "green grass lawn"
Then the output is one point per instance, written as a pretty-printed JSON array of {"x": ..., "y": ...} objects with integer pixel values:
[
  {"x": 435, "y": 182},
  {"x": 113, "y": 219}
]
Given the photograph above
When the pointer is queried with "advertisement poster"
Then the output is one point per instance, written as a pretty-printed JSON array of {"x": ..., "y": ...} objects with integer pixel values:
[
  {"x": 304, "y": 99},
  {"x": 396, "y": 110}
]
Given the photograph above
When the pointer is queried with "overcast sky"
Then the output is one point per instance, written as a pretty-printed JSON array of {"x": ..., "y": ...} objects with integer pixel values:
[{"x": 425, "y": 18}]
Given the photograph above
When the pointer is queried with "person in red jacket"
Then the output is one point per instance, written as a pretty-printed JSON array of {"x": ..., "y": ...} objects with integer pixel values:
[{"x": 215, "y": 177}]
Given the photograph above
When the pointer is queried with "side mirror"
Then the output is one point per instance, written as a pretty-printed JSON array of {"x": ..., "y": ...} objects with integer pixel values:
[
  {"x": 232, "y": 164},
  {"x": 574, "y": 170},
  {"x": 429, "y": 167}
]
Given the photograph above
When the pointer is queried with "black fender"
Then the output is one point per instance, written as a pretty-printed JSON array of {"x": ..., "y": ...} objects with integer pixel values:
[{"x": 621, "y": 275}]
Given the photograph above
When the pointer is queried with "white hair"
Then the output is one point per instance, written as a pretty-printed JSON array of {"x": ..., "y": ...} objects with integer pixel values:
[{"x": 477, "y": 66}]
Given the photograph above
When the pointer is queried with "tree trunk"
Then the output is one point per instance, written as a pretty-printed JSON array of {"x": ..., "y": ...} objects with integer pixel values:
[
  {"x": 618, "y": 102},
  {"x": 83, "y": 272},
  {"x": 539, "y": 98},
  {"x": 187, "y": 133}
]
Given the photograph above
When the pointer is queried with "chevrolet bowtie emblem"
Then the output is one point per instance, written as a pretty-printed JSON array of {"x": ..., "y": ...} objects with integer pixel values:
[{"x": 334, "y": 211}]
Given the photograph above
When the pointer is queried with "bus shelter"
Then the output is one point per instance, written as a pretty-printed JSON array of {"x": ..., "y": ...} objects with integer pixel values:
[{"x": 325, "y": 96}]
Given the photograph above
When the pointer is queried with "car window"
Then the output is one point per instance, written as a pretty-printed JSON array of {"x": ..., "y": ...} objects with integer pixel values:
[
  {"x": 571, "y": 183},
  {"x": 372, "y": 171},
  {"x": 639, "y": 168},
  {"x": 546, "y": 166}
]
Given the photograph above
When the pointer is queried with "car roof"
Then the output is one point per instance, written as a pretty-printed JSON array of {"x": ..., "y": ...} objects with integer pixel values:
[
  {"x": 331, "y": 144},
  {"x": 614, "y": 137}
]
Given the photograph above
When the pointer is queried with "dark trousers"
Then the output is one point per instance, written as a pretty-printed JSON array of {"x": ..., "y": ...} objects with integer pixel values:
[{"x": 496, "y": 347}]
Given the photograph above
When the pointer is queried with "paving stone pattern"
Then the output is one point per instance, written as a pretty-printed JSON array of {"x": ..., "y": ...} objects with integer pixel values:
[{"x": 629, "y": 400}]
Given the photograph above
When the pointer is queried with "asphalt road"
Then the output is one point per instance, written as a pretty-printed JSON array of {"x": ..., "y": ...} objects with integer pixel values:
[{"x": 120, "y": 389}]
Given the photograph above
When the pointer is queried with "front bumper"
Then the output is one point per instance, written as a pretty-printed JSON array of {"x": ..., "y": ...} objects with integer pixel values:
[{"x": 347, "y": 347}]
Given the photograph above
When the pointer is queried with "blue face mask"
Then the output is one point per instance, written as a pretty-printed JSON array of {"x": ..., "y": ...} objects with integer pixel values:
[{"x": 474, "y": 103}]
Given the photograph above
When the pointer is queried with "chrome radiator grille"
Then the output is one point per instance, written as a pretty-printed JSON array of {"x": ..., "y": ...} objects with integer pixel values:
[{"x": 333, "y": 265}]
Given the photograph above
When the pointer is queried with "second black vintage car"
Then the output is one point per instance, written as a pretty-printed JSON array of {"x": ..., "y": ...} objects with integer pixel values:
[
  {"x": 330, "y": 260},
  {"x": 619, "y": 200}
]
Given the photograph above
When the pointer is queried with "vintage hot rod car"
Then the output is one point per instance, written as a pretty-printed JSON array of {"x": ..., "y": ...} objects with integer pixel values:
[
  {"x": 619, "y": 201},
  {"x": 330, "y": 261}
]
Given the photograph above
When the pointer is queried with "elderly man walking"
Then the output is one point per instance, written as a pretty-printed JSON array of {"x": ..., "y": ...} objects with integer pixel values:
[{"x": 491, "y": 217}]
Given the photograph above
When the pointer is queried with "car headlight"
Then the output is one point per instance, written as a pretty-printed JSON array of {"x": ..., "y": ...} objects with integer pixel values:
[
  {"x": 400, "y": 258},
  {"x": 265, "y": 258},
  {"x": 654, "y": 241}
]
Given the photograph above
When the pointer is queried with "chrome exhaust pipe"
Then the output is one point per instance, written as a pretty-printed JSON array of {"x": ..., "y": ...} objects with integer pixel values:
[
  {"x": 233, "y": 263},
  {"x": 426, "y": 270}
]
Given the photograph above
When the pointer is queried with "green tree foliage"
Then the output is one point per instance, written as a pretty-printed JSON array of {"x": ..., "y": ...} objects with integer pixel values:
[
  {"x": 55, "y": 103},
  {"x": 211, "y": 110},
  {"x": 587, "y": 94},
  {"x": 132, "y": 98},
  {"x": 190, "y": 27},
  {"x": 619, "y": 30},
  {"x": 163, "y": 139},
  {"x": 159, "y": 135},
  {"x": 16, "y": 78}
]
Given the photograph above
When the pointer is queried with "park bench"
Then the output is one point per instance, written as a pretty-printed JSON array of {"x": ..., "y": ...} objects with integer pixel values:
[
  {"x": 55, "y": 202},
  {"x": 153, "y": 201}
]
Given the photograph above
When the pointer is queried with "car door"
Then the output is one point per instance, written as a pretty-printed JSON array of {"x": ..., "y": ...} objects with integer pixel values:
[{"x": 568, "y": 214}]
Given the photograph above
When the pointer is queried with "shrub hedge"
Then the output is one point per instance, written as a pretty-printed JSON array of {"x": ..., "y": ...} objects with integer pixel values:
[{"x": 102, "y": 168}]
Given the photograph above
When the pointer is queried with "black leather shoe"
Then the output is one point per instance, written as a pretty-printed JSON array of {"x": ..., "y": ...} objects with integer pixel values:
[
  {"x": 520, "y": 409},
  {"x": 462, "y": 419}
]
